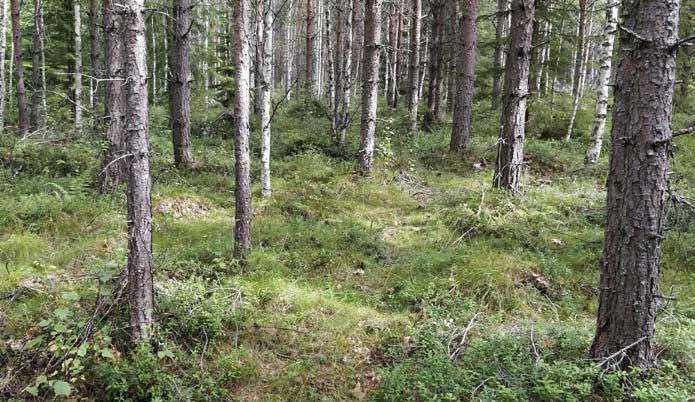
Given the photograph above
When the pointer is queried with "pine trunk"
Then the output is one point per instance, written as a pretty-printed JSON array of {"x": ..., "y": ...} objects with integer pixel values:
[
  {"x": 637, "y": 183},
  {"x": 370, "y": 89},
  {"x": 501, "y": 29},
  {"x": 140, "y": 291},
  {"x": 310, "y": 37},
  {"x": 602, "y": 91},
  {"x": 465, "y": 79},
  {"x": 509, "y": 167},
  {"x": 578, "y": 63},
  {"x": 394, "y": 41},
  {"x": 114, "y": 170},
  {"x": 181, "y": 80},
  {"x": 242, "y": 163},
  {"x": 3, "y": 50}
]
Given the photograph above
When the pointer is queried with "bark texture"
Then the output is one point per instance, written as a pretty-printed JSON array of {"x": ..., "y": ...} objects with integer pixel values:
[
  {"x": 3, "y": 50},
  {"x": 140, "y": 291},
  {"x": 393, "y": 51},
  {"x": 578, "y": 66},
  {"x": 310, "y": 38},
  {"x": 114, "y": 169},
  {"x": 23, "y": 118},
  {"x": 637, "y": 181},
  {"x": 266, "y": 91},
  {"x": 181, "y": 80},
  {"x": 77, "y": 15},
  {"x": 36, "y": 65},
  {"x": 370, "y": 89},
  {"x": 604, "y": 76},
  {"x": 97, "y": 69},
  {"x": 414, "y": 64},
  {"x": 436, "y": 59},
  {"x": 242, "y": 163},
  {"x": 509, "y": 167},
  {"x": 501, "y": 30},
  {"x": 465, "y": 78}
]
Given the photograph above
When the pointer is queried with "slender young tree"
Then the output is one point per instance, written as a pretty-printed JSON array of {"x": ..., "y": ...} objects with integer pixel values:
[
  {"x": 414, "y": 64},
  {"x": 465, "y": 78},
  {"x": 510, "y": 149},
  {"x": 393, "y": 50},
  {"x": 310, "y": 47},
  {"x": 36, "y": 66},
  {"x": 140, "y": 291},
  {"x": 288, "y": 50},
  {"x": 258, "y": 54},
  {"x": 578, "y": 66},
  {"x": 370, "y": 90},
  {"x": 242, "y": 163},
  {"x": 181, "y": 80},
  {"x": 3, "y": 49},
  {"x": 266, "y": 92},
  {"x": 604, "y": 76},
  {"x": 436, "y": 58},
  {"x": 501, "y": 29},
  {"x": 78, "y": 64},
  {"x": 96, "y": 67},
  {"x": 637, "y": 183},
  {"x": 23, "y": 123}
]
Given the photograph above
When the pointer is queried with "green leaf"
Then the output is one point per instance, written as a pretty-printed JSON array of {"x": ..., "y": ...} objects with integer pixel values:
[
  {"x": 62, "y": 313},
  {"x": 33, "y": 343},
  {"x": 41, "y": 380},
  {"x": 32, "y": 390},
  {"x": 82, "y": 350},
  {"x": 107, "y": 353},
  {"x": 62, "y": 388},
  {"x": 71, "y": 296}
]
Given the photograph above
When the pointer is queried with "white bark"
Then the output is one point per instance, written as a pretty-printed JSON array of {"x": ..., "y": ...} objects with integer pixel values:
[
  {"x": 602, "y": 91},
  {"x": 78, "y": 65},
  {"x": 266, "y": 86},
  {"x": 3, "y": 46}
]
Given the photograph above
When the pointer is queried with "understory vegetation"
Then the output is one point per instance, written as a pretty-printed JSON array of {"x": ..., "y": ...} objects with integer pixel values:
[{"x": 418, "y": 283}]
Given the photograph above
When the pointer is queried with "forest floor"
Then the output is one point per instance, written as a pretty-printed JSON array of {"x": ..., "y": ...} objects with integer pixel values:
[{"x": 418, "y": 283}]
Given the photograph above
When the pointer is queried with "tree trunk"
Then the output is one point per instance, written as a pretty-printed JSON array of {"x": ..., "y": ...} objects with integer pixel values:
[
  {"x": 465, "y": 79},
  {"x": 394, "y": 41},
  {"x": 370, "y": 89},
  {"x": 414, "y": 64},
  {"x": 258, "y": 55},
  {"x": 78, "y": 64},
  {"x": 345, "y": 99},
  {"x": 310, "y": 37},
  {"x": 36, "y": 66},
  {"x": 436, "y": 59},
  {"x": 140, "y": 291},
  {"x": 114, "y": 169},
  {"x": 501, "y": 29},
  {"x": 242, "y": 164},
  {"x": 578, "y": 63},
  {"x": 602, "y": 92},
  {"x": 509, "y": 167},
  {"x": 266, "y": 91},
  {"x": 153, "y": 38},
  {"x": 181, "y": 79},
  {"x": 637, "y": 182},
  {"x": 288, "y": 52},
  {"x": 95, "y": 60},
  {"x": 560, "y": 36},
  {"x": 23, "y": 123},
  {"x": 3, "y": 48}
]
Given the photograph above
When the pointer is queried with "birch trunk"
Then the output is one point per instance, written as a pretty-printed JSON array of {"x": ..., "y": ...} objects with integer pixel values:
[
  {"x": 78, "y": 64},
  {"x": 414, "y": 65},
  {"x": 140, "y": 291},
  {"x": 288, "y": 52},
  {"x": 95, "y": 60},
  {"x": 242, "y": 163},
  {"x": 509, "y": 167},
  {"x": 23, "y": 123},
  {"x": 637, "y": 184},
  {"x": 3, "y": 49},
  {"x": 602, "y": 91},
  {"x": 370, "y": 90},
  {"x": 266, "y": 91},
  {"x": 345, "y": 99},
  {"x": 465, "y": 79},
  {"x": 310, "y": 37}
]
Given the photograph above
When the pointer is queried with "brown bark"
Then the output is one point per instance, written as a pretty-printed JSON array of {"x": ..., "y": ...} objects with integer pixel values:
[
  {"x": 113, "y": 165},
  {"x": 465, "y": 78},
  {"x": 310, "y": 37},
  {"x": 242, "y": 164},
  {"x": 181, "y": 79},
  {"x": 436, "y": 60},
  {"x": 370, "y": 88},
  {"x": 140, "y": 291},
  {"x": 23, "y": 123},
  {"x": 394, "y": 41},
  {"x": 414, "y": 64},
  {"x": 637, "y": 182},
  {"x": 501, "y": 30},
  {"x": 510, "y": 150}
]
